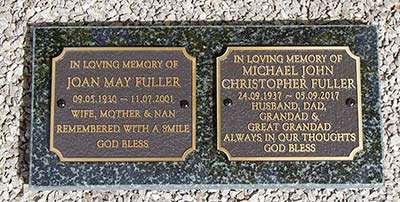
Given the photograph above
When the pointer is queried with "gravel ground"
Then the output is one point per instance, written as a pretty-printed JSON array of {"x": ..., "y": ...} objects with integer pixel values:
[{"x": 17, "y": 18}]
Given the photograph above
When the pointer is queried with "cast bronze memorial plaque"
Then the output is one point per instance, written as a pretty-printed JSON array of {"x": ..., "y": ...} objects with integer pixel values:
[
  {"x": 289, "y": 103},
  {"x": 123, "y": 104}
]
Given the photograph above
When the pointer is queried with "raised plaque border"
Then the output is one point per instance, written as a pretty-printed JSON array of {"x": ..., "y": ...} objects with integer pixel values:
[
  {"x": 121, "y": 159},
  {"x": 360, "y": 146}
]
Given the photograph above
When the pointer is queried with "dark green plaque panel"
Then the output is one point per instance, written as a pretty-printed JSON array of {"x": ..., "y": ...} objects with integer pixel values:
[{"x": 355, "y": 110}]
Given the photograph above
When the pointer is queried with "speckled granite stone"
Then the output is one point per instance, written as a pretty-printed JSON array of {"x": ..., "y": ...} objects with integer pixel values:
[{"x": 207, "y": 167}]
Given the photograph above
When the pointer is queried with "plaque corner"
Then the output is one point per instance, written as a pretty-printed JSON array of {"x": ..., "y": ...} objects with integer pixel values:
[
  {"x": 57, "y": 152},
  {"x": 188, "y": 56},
  {"x": 59, "y": 56},
  {"x": 226, "y": 152},
  {"x": 227, "y": 51},
  {"x": 353, "y": 153}
]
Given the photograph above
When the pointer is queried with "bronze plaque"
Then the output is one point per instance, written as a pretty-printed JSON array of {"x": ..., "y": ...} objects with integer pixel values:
[
  {"x": 289, "y": 103},
  {"x": 123, "y": 104}
]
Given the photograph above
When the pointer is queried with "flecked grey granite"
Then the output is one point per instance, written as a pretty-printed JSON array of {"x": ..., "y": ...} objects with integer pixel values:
[{"x": 206, "y": 167}]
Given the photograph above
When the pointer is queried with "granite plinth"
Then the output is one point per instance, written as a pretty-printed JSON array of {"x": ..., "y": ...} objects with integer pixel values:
[{"x": 206, "y": 167}]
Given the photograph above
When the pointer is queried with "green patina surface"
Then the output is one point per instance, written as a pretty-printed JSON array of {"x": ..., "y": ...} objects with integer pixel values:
[{"x": 207, "y": 167}]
